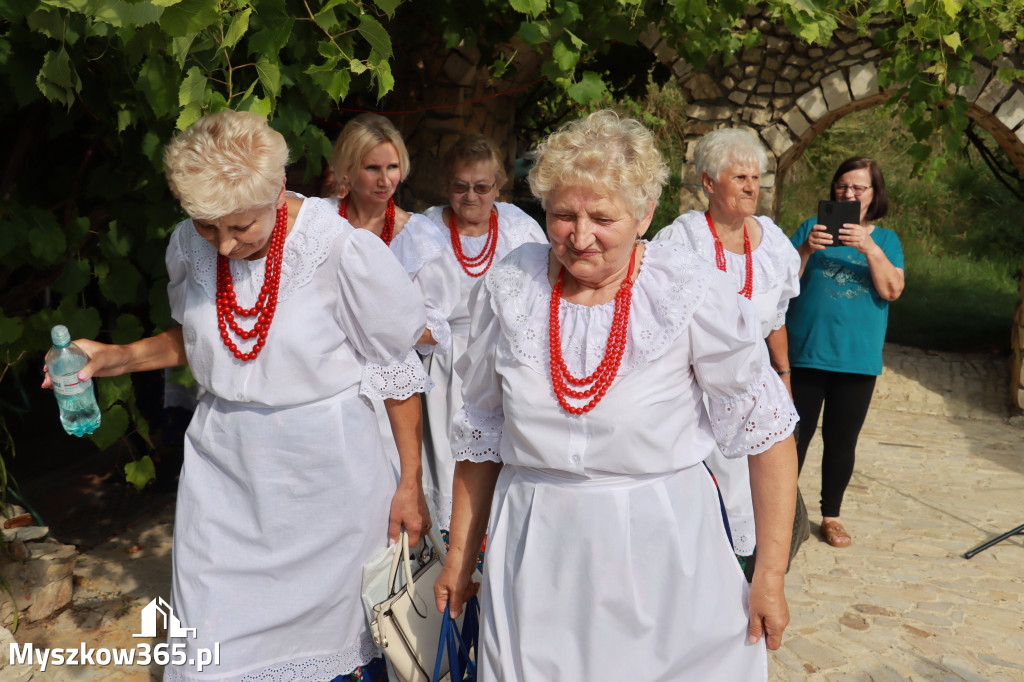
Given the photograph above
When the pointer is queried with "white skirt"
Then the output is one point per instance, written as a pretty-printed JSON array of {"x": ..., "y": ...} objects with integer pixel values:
[
  {"x": 622, "y": 578},
  {"x": 277, "y": 511}
]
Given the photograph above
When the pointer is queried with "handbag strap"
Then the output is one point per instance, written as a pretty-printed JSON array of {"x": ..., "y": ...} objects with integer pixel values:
[{"x": 402, "y": 557}]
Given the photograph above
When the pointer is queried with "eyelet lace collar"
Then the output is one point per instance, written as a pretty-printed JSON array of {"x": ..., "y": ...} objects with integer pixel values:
[{"x": 672, "y": 283}]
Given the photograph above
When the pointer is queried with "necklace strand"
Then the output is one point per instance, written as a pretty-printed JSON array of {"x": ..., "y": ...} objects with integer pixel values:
[
  {"x": 602, "y": 377},
  {"x": 388, "y": 233},
  {"x": 266, "y": 302},
  {"x": 748, "y": 284},
  {"x": 486, "y": 256}
]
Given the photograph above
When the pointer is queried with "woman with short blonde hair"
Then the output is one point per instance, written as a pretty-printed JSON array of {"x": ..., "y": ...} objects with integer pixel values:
[
  {"x": 583, "y": 423},
  {"x": 285, "y": 314}
]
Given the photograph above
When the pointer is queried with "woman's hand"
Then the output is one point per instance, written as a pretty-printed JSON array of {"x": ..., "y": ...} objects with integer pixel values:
[
  {"x": 166, "y": 349},
  {"x": 105, "y": 360},
  {"x": 769, "y": 613},
  {"x": 817, "y": 239},
  {"x": 857, "y": 236},
  {"x": 453, "y": 588},
  {"x": 409, "y": 509}
]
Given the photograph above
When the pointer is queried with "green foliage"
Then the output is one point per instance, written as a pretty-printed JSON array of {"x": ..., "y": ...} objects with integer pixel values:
[
  {"x": 95, "y": 88},
  {"x": 960, "y": 231}
]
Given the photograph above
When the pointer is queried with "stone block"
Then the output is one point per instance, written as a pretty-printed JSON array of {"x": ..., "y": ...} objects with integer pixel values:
[
  {"x": 764, "y": 88},
  {"x": 815, "y": 52},
  {"x": 769, "y": 75},
  {"x": 751, "y": 70},
  {"x": 797, "y": 60},
  {"x": 845, "y": 37},
  {"x": 815, "y": 78},
  {"x": 836, "y": 90},
  {"x": 736, "y": 71},
  {"x": 863, "y": 80},
  {"x": 459, "y": 68},
  {"x": 772, "y": 63},
  {"x": 777, "y": 138},
  {"x": 738, "y": 96},
  {"x": 776, "y": 44},
  {"x": 993, "y": 94},
  {"x": 790, "y": 73},
  {"x": 780, "y": 102},
  {"x": 837, "y": 56},
  {"x": 747, "y": 84},
  {"x": 1011, "y": 112},
  {"x": 707, "y": 113},
  {"x": 858, "y": 48},
  {"x": 42, "y": 582},
  {"x": 754, "y": 56},
  {"x": 728, "y": 83},
  {"x": 796, "y": 121},
  {"x": 757, "y": 117},
  {"x": 812, "y": 103},
  {"x": 10, "y": 671},
  {"x": 703, "y": 86},
  {"x": 759, "y": 100},
  {"x": 681, "y": 69},
  {"x": 767, "y": 181}
]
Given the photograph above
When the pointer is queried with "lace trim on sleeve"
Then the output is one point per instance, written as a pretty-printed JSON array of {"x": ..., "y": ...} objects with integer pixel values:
[
  {"x": 305, "y": 249},
  {"x": 397, "y": 380},
  {"x": 476, "y": 435},
  {"x": 440, "y": 330},
  {"x": 752, "y": 422}
]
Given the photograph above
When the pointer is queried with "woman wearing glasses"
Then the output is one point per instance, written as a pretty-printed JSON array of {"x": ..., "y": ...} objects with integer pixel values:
[
  {"x": 837, "y": 328},
  {"x": 476, "y": 232}
]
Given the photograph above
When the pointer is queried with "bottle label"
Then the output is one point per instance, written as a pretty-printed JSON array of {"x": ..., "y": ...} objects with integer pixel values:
[{"x": 70, "y": 384}]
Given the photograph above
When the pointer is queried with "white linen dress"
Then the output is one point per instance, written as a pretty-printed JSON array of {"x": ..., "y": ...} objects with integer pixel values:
[
  {"x": 445, "y": 287},
  {"x": 776, "y": 280},
  {"x": 285, "y": 490},
  {"x": 607, "y": 557}
]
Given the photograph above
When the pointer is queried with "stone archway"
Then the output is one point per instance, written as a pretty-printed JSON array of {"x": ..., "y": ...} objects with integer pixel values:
[{"x": 788, "y": 92}]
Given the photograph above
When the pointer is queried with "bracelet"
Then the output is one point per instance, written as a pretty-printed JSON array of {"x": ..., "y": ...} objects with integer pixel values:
[{"x": 783, "y": 372}]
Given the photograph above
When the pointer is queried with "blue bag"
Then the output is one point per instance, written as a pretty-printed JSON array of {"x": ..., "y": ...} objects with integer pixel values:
[{"x": 460, "y": 647}]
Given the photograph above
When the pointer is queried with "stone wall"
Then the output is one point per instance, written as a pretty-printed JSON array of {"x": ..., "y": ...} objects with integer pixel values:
[{"x": 788, "y": 92}]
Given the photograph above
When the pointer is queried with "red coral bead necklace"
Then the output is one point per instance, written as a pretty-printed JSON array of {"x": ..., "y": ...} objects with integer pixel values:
[
  {"x": 748, "y": 284},
  {"x": 389, "y": 218},
  {"x": 266, "y": 302},
  {"x": 470, "y": 264},
  {"x": 602, "y": 377}
]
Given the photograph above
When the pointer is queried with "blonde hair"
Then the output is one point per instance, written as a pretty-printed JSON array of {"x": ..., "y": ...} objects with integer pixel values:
[
  {"x": 722, "y": 149},
  {"x": 606, "y": 153},
  {"x": 358, "y": 137},
  {"x": 470, "y": 149},
  {"x": 224, "y": 163}
]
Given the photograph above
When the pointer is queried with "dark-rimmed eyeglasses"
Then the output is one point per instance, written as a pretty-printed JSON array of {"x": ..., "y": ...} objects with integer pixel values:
[
  {"x": 479, "y": 188},
  {"x": 857, "y": 189}
]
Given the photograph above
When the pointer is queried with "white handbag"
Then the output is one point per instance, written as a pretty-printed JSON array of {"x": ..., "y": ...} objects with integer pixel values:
[{"x": 406, "y": 624}]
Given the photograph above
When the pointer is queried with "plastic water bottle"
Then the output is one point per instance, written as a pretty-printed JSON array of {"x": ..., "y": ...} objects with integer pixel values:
[{"x": 79, "y": 413}]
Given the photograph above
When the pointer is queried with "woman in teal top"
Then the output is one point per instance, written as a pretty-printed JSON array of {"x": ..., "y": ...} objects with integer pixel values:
[{"x": 837, "y": 327}]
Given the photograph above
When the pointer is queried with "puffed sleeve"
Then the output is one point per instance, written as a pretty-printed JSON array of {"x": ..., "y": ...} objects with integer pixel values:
[
  {"x": 748, "y": 404},
  {"x": 177, "y": 271},
  {"x": 422, "y": 251},
  {"x": 476, "y": 427},
  {"x": 789, "y": 265},
  {"x": 379, "y": 309}
]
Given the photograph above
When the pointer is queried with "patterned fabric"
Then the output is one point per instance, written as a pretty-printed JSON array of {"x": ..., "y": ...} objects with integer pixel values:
[{"x": 374, "y": 671}]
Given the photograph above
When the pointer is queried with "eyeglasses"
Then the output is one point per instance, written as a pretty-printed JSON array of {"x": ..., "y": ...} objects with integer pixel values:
[
  {"x": 857, "y": 189},
  {"x": 479, "y": 188}
]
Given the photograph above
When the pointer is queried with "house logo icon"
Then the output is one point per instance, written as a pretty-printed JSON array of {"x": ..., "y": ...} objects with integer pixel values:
[{"x": 160, "y": 611}]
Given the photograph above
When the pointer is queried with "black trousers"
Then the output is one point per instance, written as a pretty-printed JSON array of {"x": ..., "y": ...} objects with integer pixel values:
[{"x": 846, "y": 398}]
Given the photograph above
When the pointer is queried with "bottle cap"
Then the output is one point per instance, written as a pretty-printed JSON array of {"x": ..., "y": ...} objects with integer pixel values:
[{"x": 60, "y": 335}]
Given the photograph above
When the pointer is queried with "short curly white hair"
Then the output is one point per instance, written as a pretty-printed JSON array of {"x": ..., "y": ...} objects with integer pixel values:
[
  {"x": 607, "y": 153},
  {"x": 226, "y": 162},
  {"x": 721, "y": 149}
]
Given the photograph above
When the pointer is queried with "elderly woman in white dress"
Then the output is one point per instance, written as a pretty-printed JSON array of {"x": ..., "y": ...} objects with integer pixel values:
[
  {"x": 583, "y": 432},
  {"x": 762, "y": 266},
  {"x": 283, "y": 309},
  {"x": 450, "y": 252}
]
